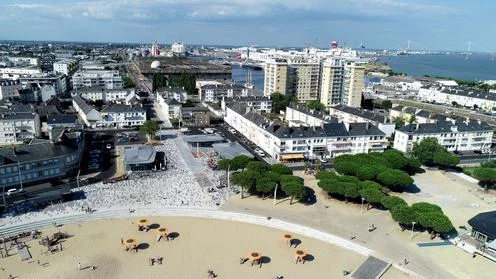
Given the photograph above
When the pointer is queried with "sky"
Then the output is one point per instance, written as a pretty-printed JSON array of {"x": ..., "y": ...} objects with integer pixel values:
[{"x": 388, "y": 24}]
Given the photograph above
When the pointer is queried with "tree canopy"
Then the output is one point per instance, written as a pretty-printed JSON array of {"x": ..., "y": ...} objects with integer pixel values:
[
  {"x": 315, "y": 105},
  {"x": 429, "y": 151},
  {"x": 387, "y": 104},
  {"x": 392, "y": 201},
  {"x": 292, "y": 186},
  {"x": 394, "y": 179},
  {"x": 443, "y": 158},
  {"x": 149, "y": 128},
  {"x": 485, "y": 175},
  {"x": 187, "y": 81},
  {"x": 281, "y": 169},
  {"x": 280, "y": 101},
  {"x": 128, "y": 82}
]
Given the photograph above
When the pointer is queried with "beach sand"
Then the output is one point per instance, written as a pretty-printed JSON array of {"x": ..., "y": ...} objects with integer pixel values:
[{"x": 202, "y": 244}]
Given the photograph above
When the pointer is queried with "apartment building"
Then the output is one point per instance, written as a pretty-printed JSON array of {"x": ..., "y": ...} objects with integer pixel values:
[
  {"x": 353, "y": 84},
  {"x": 256, "y": 103},
  {"x": 178, "y": 93},
  {"x": 457, "y": 95},
  {"x": 349, "y": 114},
  {"x": 111, "y": 116},
  {"x": 170, "y": 107},
  {"x": 8, "y": 88},
  {"x": 341, "y": 83},
  {"x": 41, "y": 160},
  {"x": 275, "y": 78},
  {"x": 67, "y": 67},
  {"x": 195, "y": 117},
  {"x": 109, "y": 79},
  {"x": 17, "y": 72},
  {"x": 452, "y": 135},
  {"x": 303, "y": 79},
  {"x": 285, "y": 143},
  {"x": 18, "y": 123},
  {"x": 98, "y": 93},
  {"x": 58, "y": 81}
]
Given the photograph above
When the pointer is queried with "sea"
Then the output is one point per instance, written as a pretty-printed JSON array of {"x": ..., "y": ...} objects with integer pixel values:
[{"x": 475, "y": 67}]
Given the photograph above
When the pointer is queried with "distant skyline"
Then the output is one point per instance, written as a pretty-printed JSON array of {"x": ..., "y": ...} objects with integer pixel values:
[{"x": 380, "y": 24}]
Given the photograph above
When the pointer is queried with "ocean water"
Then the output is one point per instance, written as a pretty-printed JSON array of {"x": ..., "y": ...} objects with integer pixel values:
[
  {"x": 477, "y": 67},
  {"x": 257, "y": 77}
]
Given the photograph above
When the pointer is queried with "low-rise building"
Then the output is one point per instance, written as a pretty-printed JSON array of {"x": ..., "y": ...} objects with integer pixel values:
[
  {"x": 98, "y": 93},
  {"x": 18, "y": 123},
  {"x": 452, "y": 135},
  {"x": 257, "y": 103},
  {"x": 62, "y": 121},
  {"x": 285, "y": 143},
  {"x": 67, "y": 67},
  {"x": 8, "y": 88},
  {"x": 17, "y": 72},
  {"x": 195, "y": 116},
  {"x": 459, "y": 96},
  {"x": 484, "y": 233},
  {"x": 58, "y": 81},
  {"x": 41, "y": 161},
  {"x": 109, "y": 79},
  {"x": 355, "y": 115},
  {"x": 178, "y": 93}
]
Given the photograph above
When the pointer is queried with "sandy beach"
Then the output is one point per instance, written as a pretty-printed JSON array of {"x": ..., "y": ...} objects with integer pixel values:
[{"x": 202, "y": 244}]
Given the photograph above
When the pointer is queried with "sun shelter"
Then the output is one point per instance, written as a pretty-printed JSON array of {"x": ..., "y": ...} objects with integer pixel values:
[
  {"x": 162, "y": 232},
  {"x": 130, "y": 243},
  {"x": 300, "y": 256},
  {"x": 288, "y": 238},
  {"x": 255, "y": 258},
  {"x": 142, "y": 223}
]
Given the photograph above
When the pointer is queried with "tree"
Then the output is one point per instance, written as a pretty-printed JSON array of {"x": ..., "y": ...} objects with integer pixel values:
[
  {"x": 245, "y": 179},
  {"x": 273, "y": 176},
  {"x": 224, "y": 164},
  {"x": 454, "y": 103},
  {"x": 486, "y": 176},
  {"x": 281, "y": 168},
  {"x": 425, "y": 149},
  {"x": 395, "y": 159},
  {"x": 366, "y": 172},
  {"x": 386, "y": 104},
  {"x": 352, "y": 191},
  {"x": 394, "y": 179},
  {"x": 345, "y": 168},
  {"x": 399, "y": 122},
  {"x": 325, "y": 175},
  {"x": 186, "y": 81},
  {"x": 149, "y": 128},
  {"x": 280, "y": 101},
  {"x": 240, "y": 162},
  {"x": 443, "y": 158},
  {"x": 412, "y": 119},
  {"x": 292, "y": 186},
  {"x": 265, "y": 185},
  {"x": 404, "y": 215},
  {"x": 371, "y": 185},
  {"x": 425, "y": 207},
  {"x": 316, "y": 105},
  {"x": 372, "y": 196},
  {"x": 442, "y": 224},
  {"x": 158, "y": 80},
  {"x": 392, "y": 201},
  {"x": 128, "y": 82},
  {"x": 257, "y": 166}
]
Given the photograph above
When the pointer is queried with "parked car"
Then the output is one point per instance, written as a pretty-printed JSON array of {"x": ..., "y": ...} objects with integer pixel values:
[
  {"x": 109, "y": 146},
  {"x": 260, "y": 152},
  {"x": 12, "y": 191}
]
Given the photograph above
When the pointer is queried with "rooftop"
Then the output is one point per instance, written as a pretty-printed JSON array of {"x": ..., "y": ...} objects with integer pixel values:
[
  {"x": 36, "y": 151},
  {"x": 143, "y": 154},
  {"x": 485, "y": 223},
  {"x": 122, "y": 108},
  {"x": 179, "y": 66},
  {"x": 446, "y": 126},
  {"x": 62, "y": 119}
]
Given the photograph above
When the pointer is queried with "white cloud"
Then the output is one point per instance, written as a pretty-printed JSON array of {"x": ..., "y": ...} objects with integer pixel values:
[{"x": 212, "y": 9}]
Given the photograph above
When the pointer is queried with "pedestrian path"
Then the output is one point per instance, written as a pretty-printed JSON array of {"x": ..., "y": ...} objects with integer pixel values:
[{"x": 372, "y": 268}]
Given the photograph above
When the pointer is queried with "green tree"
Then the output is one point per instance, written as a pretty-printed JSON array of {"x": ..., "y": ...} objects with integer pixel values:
[
  {"x": 371, "y": 185},
  {"x": 392, "y": 201},
  {"x": 443, "y": 158},
  {"x": 264, "y": 185},
  {"x": 158, "y": 80},
  {"x": 316, "y": 105},
  {"x": 246, "y": 180},
  {"x": 345, "y": 168},
  {"x": 367, "y": 172},
  {"x": 292, "y": 186},
  {"x": 326, "y": 174},
  {"x": 412, "y": 119},
  {"x": 399, "y": 122},
  {"x": 352, "y": 191},
  {"x": 128, "y": 82},
  {"x": 274, "y": 176},
  {"x": 486, "y": 176},
  {"x": 386, "y": 104},
  {"x": 372, "y": 196},
  {"x": 425, "y": 149},
  {"x": 442, "y": 224},
  {"x": 404, "y": 215},
  {"x": 281, "y": 168},
  {"x": 425, "y": 207},
  {"x": 280, "y": 101},
  {"x": 395, "y": 180},
  {"x": 454, "y": 103},
  {"x": 186, "y": 81},
  {"x": 149, "y": 128},
  {"x": 395, "y": 158},
  {"x": 224, "y": 164},
  {"x": 257, "y": 166},
  {"x": 240, "y": 162}
]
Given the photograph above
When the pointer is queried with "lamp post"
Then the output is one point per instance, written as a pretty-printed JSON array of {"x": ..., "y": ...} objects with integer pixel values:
[
  {"x": 19, "y": 169},
  {"x": 77, "y": 177},
  {"x": 275, "y": 194},
  {"x": 411, "y": 233},
  {"x": 361, "y": 207}
]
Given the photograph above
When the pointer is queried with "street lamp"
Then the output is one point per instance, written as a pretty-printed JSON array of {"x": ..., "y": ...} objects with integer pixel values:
[
  {"x": 361, "y": 207},
  {"x": 275, "y": 194},
  {"x": 411, "y": 233}
]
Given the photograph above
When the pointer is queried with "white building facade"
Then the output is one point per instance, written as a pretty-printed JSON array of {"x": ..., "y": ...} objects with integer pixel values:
[{"x": 109, "y": 79}]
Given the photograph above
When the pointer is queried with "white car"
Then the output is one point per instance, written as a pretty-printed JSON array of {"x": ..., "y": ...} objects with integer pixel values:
[
  {"x": 260, "y": 152},
  {"x": 12, "y": 191}
]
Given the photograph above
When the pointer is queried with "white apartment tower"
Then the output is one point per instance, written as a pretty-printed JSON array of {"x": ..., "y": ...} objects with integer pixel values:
[
  {"x": 303, "y": 79},
  {"x": 353, "y": 84},
  {"x": 276, "y": 71},
  {"x": 341, "y": 83}
]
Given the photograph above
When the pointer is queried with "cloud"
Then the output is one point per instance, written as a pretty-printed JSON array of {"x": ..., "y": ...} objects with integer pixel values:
[{"x": 211, "y": 10}]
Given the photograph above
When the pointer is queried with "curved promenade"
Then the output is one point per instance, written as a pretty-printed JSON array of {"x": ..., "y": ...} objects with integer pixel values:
[{"x": 192, "y": 212}]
